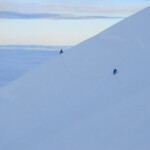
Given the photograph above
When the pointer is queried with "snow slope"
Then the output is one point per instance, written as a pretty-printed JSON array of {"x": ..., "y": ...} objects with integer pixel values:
[{"x": 74, "y": 102}]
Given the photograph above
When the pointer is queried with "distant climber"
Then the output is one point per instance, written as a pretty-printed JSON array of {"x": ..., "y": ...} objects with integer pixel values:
[
  {"x": 61, "y": 51},
  {"x": 115, "y": 71}
]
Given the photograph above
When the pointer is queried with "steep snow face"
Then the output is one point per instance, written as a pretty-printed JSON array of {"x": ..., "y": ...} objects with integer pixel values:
[{"x": 74, "y": 102}]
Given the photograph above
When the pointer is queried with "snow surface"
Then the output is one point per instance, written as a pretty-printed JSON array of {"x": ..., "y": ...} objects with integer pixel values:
[{"x": 74, "y": 102}]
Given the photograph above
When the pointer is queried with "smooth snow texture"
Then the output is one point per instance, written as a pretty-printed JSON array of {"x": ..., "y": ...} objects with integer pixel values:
[{"x": 74, "y": 102}]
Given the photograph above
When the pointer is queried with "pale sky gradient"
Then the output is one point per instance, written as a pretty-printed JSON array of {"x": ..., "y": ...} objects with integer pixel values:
[{"x": 60, "y": 22}]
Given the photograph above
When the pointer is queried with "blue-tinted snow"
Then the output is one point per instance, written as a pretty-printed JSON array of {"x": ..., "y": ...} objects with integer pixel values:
[{"x": 74, "y": 102}]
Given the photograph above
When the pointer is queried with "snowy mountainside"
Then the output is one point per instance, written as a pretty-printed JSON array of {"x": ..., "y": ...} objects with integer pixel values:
[{"x": 74, "y": 102}]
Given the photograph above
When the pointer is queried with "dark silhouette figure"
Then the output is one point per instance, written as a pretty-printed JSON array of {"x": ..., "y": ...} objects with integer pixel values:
[
  {"x": 61, "y": 51},
  {"x": 115, "y": 71}
]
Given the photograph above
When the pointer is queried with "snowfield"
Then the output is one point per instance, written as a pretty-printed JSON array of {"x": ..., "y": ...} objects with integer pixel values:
[{"x": 74, "y": 102}]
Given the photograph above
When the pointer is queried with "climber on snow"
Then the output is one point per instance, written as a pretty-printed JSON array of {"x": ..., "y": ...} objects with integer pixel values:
[
  {"x": 61, "y": 51},
  {"x": 115, "y": 71}
]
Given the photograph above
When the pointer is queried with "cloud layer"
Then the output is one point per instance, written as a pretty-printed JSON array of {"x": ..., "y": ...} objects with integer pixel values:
[
  {"x": 16, "y": 15},
  {"x": 69, "y": 9}
]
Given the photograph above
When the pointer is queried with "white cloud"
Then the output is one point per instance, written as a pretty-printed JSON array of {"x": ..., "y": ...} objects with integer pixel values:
[
  {"x": 15, "y": 15},
  {"x": 69, "y": 9}
]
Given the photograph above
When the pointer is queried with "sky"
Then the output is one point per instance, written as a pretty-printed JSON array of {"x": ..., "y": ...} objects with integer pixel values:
[{"x": 60, "y": 22}]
